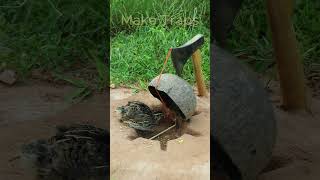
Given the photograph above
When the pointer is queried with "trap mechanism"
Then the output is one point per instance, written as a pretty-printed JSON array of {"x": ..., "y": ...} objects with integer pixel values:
[{"x": 176, "y": 94}]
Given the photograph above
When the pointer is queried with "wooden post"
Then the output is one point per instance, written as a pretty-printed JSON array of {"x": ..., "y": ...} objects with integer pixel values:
[
  {"x": 196, "y": 59},
  {"x": 287, "y": 55}
]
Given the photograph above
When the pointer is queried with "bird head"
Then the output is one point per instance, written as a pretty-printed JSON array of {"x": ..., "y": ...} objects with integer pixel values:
[{"x": 121, "y": 109}]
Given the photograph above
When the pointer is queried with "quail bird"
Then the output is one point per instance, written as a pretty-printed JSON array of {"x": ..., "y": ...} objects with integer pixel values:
[
  {"x": 75, "y": 152},
  {"x": 139, "y": 116}
]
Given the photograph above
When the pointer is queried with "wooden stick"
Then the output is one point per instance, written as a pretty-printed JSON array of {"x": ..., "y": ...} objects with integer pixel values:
[
  {"x": 163, "y": 131},
  {"x": 287, "y": 54},
  {"x": 196, "y": 59}
]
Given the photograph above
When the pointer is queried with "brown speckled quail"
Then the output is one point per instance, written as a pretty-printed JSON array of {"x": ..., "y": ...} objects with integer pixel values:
[{"x": 139, "y": 116}]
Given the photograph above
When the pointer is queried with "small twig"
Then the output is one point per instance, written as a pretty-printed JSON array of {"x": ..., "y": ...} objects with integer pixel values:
[
  {"x": 267, "y": 84},
  {"x": 163, "y": 131}
]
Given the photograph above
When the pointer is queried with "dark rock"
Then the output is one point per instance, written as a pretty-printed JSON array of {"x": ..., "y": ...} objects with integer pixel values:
[{"x": 8, "y": 77}]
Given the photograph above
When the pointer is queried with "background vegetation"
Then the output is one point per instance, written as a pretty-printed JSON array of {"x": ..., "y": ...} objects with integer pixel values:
[
  {"x": 251, "y": 38},
  {"x": 138, "y": 51},
  {"x": 68, "y": 39},
  {"x": 65, "y": 37}
]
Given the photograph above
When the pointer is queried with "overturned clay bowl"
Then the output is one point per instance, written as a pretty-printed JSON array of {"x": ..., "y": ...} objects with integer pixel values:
[
  {"x": 176, "y": 93},
  {"x": 244, "y": 125}
]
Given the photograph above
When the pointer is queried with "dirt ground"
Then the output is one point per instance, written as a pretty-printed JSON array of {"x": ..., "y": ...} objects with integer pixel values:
[
  {"x": 187, "y": 157},
  {"x": 297, "y": 152},
  {"x": 296, "y": 155},
  {"x": 30, "y": 111}
]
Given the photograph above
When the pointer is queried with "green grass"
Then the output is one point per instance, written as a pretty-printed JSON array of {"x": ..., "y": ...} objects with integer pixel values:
[
  {"x": 137, "y": 58},
  {"x": 162, "y": 10},
  {"x": 138, "y": 50},
  {"x": 251, "y": 38},
  {"x": 55, "y": 36}
]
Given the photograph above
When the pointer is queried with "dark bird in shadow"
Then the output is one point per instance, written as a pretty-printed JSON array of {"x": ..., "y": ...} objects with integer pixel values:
[{"x": 75, "y": 152}]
